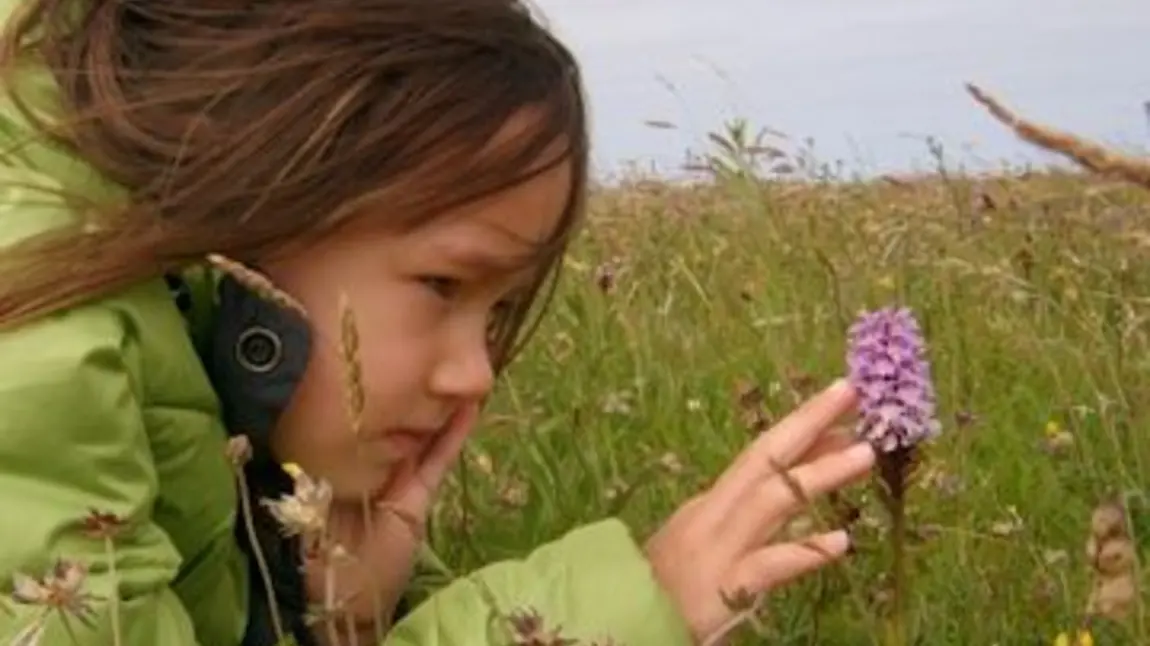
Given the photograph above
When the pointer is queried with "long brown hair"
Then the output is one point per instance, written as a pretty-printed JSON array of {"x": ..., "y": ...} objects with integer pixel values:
[{"x": 240, "y": 131}]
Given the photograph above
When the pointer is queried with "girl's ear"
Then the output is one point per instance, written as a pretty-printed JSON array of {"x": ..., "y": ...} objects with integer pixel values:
[{"x": 257, "y": 356}]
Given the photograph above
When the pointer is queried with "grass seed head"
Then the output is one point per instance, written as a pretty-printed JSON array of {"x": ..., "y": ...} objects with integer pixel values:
[
  {"x": 260, "y": 284},
  {"x": 353, "y": 371}
]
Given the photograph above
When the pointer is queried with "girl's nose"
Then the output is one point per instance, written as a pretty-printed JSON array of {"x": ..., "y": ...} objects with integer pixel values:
[{"x": 464, "y": 370}]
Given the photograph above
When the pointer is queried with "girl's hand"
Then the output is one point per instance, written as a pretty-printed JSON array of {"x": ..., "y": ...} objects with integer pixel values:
[
  {"x": 718, "y": 543},
  {"x": 383, "y": 558}
]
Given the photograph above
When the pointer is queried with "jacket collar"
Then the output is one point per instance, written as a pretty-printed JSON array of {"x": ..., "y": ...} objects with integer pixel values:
[
  {"x": 255, "y": 354},
  {"x": 254, "y": 351}
]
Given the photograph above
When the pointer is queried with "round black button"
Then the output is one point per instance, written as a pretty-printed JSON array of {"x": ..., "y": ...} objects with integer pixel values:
[{"x": 259, "y": 349}]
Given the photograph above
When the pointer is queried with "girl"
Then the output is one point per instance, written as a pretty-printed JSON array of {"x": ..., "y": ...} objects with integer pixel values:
[{"x": 427, "y": 161}]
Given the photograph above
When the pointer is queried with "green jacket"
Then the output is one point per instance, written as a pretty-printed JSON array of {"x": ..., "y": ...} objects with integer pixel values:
[{"x": 109, "y": 408}]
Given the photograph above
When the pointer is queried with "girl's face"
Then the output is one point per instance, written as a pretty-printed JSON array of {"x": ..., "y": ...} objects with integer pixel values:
[{"x": 423, "y": 301}]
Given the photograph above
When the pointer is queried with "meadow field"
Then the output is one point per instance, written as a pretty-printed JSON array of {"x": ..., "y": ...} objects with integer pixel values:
[{"x": 689, "y": 315}]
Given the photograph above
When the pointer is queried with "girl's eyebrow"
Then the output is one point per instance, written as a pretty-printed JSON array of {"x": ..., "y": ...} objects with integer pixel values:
[{"x": 484, "y": 259}]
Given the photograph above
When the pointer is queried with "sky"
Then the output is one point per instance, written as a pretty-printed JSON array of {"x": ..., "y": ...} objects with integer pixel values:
[{"x": 867, "y": 80}]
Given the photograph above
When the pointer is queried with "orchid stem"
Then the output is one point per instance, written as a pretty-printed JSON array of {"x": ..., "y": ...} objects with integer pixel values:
[{"x": 898, "y": 631}]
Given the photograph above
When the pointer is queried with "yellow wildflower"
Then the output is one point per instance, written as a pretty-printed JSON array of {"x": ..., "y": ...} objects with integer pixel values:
[{"x": 1083, "y": 638}]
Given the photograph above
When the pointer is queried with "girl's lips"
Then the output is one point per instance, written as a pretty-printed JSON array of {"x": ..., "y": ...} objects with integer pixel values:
[{"x": 403, "y": 443}]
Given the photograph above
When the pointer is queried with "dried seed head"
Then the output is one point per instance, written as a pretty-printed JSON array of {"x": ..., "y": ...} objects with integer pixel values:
[
  {"x": 964, "y": 418},
  {"x": 605, "y": 278},
  {"x": 1087, "y": 154},
  {"x": 671, "y": 463},
  {"x": 239, "y": 450},
  {"x": 1113, "y": 598},
  {"x": 260, "y": 284},
  {"x": 1115, "y": 557},
  {"x": 801, "y": 382},
  {"x": 60, "y": 589},
  {"x": 514, "y": 493},
  {"x": 750, "y": 404},
  {"x": 102, "y": 525},
  {"x": 304, "y": 512},
  {"x": 1108, "y": 520},
  {"x": 1058, "y": 443},
  {"x": 528, "y": 629},
  {"x": 349, "y": 356},
  {"x": 748, "y": 394},
  {"x": 482, "y": 462}
]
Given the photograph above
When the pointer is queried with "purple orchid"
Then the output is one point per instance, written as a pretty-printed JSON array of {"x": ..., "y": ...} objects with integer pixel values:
[{"x": 888, "y": 367}]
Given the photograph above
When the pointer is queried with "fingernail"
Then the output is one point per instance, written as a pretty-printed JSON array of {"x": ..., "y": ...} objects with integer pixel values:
[
  {"x": 851, "y": 549},
  {"x": 840, "y": 542}
]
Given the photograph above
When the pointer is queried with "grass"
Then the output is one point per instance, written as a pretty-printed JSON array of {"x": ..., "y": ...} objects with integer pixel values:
[{"x": 1034, "y": 293}]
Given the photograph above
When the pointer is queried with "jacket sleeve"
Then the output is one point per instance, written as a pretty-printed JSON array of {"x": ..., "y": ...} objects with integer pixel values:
[
  {"x": 72, "y": 441},
  {"x": 593, "y": 585}
]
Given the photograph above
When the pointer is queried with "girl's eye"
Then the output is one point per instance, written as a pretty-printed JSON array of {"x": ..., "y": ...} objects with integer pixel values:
[
  {"x": 499, "y": 314},
  {"x": 502, "y": 309},
  {"x": 444, "y": 286}
]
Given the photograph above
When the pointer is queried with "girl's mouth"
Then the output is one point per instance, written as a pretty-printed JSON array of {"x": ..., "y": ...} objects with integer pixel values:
[{"x": 408, "y": 443}]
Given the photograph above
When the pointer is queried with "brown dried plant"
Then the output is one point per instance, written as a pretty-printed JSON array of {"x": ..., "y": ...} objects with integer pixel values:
[
  {"x": 306, "y": 512},
  {"x": 528, "y": 628},
  {"x": 239, "y": 452},
  {"x": 61, "y": 591},
  {"x": 354, "y": 401},
  {"x": 106, "y": 527},
  {"x": 1113, "y": 563},
  {"x": 1090, "y": 155},
  {"x": 260, "y": 284}
]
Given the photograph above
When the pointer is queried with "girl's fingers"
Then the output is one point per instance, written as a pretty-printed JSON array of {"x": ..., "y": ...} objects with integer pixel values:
[
  {"x": 793, "y": 436},
  {"x": 783, "y": 494},
  {"x": 446, "y": 451},
  {"x": 774, "y": 501},
  {"x": 769, "y": 567},
  {"x": 785, "y": 443},
  {"x": 832, "y": 441},
  {"x": 415, "y": 493}
]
